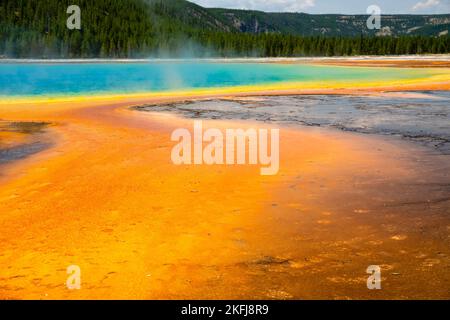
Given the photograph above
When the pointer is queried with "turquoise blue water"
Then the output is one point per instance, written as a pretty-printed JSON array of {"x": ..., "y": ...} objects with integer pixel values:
[{"x": 34, "y": 79}]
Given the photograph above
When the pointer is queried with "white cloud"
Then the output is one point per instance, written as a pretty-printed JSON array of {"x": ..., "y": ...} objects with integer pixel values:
[
  {"x": 264, "y": 5},
  {"x": 426, "y": 4}
]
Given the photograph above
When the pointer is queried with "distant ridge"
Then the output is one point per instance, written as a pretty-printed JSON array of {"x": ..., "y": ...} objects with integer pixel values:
[{"x": 252, "y": 21}]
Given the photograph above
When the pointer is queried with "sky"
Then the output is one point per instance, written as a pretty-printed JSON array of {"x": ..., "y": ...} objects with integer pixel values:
[{"x": 334, "y": 6}]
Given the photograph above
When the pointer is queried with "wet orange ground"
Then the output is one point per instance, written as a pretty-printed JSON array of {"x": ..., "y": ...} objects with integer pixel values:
[
  {"x": 107, "y": 198},
  {"x": 418, "y": 62}
]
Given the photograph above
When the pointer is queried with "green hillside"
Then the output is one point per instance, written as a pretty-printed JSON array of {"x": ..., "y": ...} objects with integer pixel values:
[
  {"x": 332, "y": 25},
  {"x": 178, "y": 28}
]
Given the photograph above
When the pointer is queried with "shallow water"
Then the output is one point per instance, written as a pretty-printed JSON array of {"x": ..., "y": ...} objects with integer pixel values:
[
  {"x": 424, "y": 119},
  {"x": 22, "y": 139},
  {"x": 59, "y": 79}
]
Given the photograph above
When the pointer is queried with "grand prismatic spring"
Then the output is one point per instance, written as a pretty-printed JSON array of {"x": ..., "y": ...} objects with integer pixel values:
[{"x": 86, "y": 179}]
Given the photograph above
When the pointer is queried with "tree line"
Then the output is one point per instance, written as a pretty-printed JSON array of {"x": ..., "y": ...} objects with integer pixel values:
[{"x": 136, "y": 29}]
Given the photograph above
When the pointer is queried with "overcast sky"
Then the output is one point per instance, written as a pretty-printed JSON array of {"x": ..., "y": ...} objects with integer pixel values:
[{"x": 334, "y": 6}]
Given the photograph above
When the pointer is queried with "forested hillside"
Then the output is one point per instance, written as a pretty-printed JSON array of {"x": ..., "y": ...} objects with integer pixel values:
[
  {"x": 333, "y": 24},
  {"x": 177, "y": 28}
]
